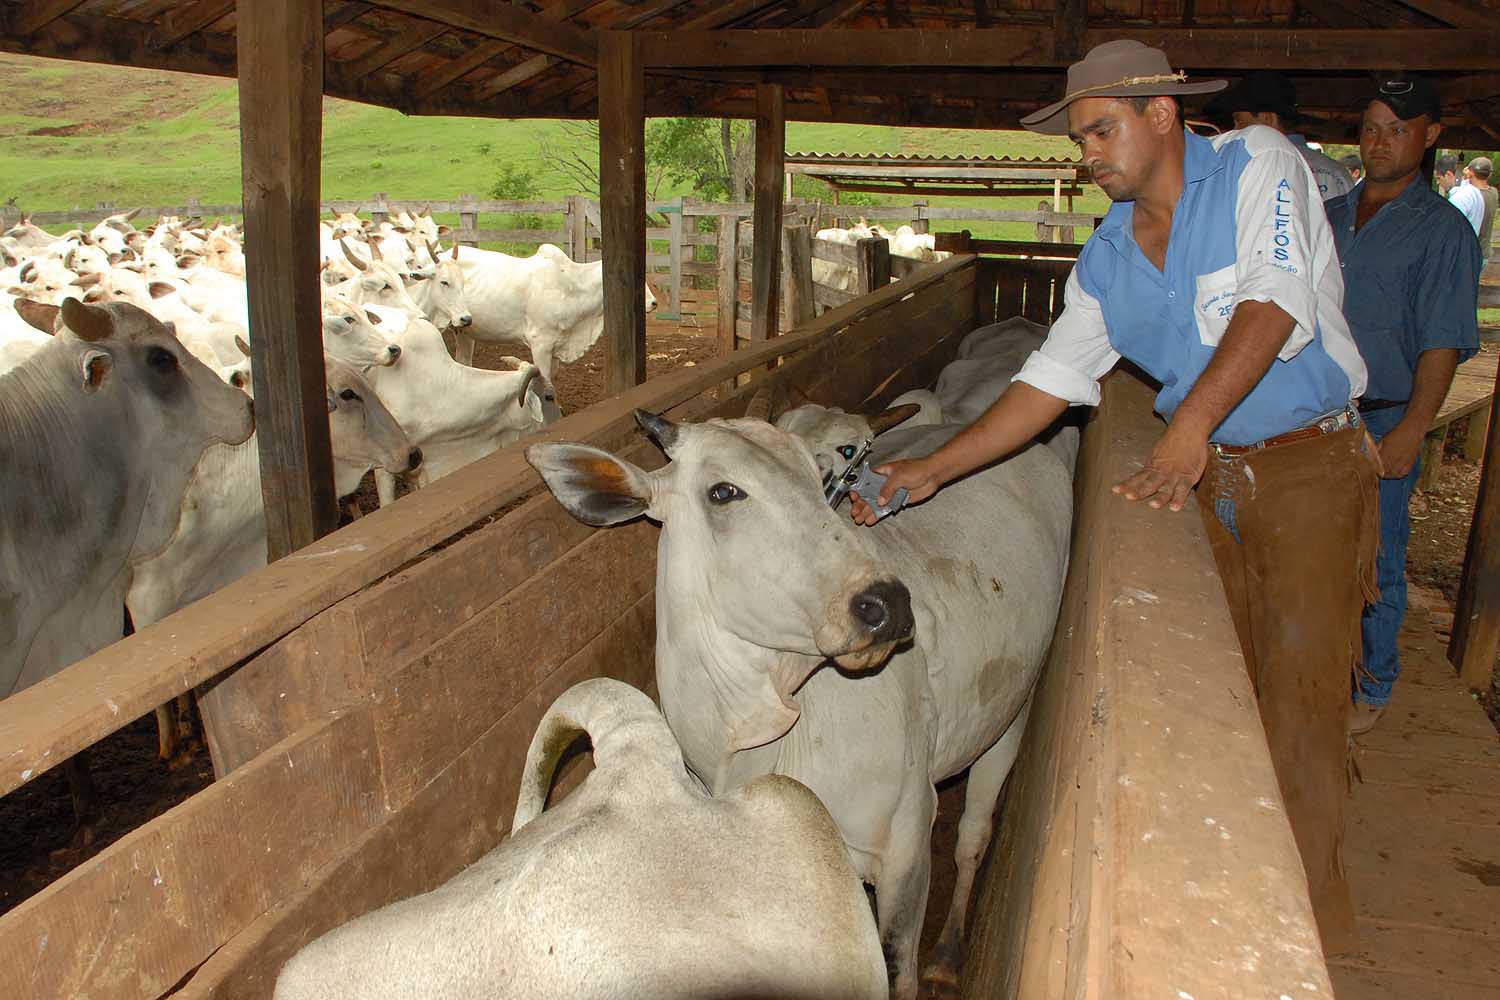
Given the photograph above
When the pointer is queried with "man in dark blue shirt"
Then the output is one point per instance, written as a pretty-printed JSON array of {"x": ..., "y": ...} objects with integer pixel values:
[{"x": 1411, "y": 278}]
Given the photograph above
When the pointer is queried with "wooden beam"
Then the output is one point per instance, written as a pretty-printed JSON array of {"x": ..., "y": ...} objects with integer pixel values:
[
  {"x": 718, "y": 17},
  {"x": 1222, "y": 48},
  {"x": 1460, "y": 15},
  {"x": 1068, "y": 26},
  {"x": 622, "y": 206},
  {"x": 418, "y": 34},
  {"x": 496, "y": 19},
  {"x": 26, "y": 18},
  {"x": 343, "y": 14},
  {"x": 281, "y": 138},
  {"x": 770, "y": 157},
  {"x": 1477, "y": 87},
  {"x": 434, "y": 81},
  {"x": 1476, "y": 617},
  {"x": 518, "y": 74},
  {"x": 179, "y": 22}
]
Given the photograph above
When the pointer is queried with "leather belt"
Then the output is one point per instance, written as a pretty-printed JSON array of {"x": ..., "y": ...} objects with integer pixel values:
[
  {"x": 1347, "y": 417},
  {"x": 1366, "y": 404}
]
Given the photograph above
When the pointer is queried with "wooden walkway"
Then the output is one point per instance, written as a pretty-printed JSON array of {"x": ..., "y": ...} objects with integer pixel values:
[
  {"x": 1468, "y": 398},
  {"x": 1423, "y": 839}
]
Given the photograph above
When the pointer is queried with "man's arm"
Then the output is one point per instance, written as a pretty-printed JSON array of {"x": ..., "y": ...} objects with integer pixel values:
[
  {"x": 1256, "y": 334},
  {"x": 1399, "y": 448}
]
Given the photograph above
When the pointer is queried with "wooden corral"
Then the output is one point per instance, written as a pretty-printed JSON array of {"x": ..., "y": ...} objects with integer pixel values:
[{"x": 369, "y": 701}]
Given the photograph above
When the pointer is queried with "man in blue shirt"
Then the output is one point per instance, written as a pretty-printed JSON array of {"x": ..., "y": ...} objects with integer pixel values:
[
  {"x": 1411, "y": 274},
  {"x": 1215, "y": 271}
]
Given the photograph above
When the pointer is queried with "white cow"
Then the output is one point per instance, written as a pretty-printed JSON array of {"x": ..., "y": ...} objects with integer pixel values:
[
  {"x": 637, "y": 885},
  {"x": 221, "y": 528},
  {"x": 454, "y": 413},
  {"x": 545, "y": 301},
  {"x": 440, "y": 296},
  {"x": 742, "y": 652}
]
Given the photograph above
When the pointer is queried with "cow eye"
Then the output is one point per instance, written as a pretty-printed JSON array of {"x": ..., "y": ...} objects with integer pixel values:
[
  {"x": 847, "y": 451},
  {"x": 722, "y": 493},
  {"x": 349, "y": 320},
  {"x": 161, "y": 359},
  {"x": 348, "y": 394}
]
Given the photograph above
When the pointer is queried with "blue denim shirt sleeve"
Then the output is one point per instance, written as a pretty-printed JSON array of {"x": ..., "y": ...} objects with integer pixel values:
[{"x": 1447, "y": 297}]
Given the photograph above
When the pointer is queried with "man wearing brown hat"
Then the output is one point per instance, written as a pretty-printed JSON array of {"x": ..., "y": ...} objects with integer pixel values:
[{"x": 1215, "y": 272}]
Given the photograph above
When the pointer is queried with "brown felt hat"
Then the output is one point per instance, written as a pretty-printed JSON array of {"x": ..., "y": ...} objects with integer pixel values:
[{"x": 1123, "y": 68}]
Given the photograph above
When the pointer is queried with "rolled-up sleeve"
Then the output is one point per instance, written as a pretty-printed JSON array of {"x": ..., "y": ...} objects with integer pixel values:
[
  {"x": 1274, "y": 240},
  {"x": 1077, "y": 352},
  {"x": 1445, "y": 307}
]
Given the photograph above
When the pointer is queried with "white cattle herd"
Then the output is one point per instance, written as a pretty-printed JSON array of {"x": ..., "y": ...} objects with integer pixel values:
[{"x": 816, "y": 679}]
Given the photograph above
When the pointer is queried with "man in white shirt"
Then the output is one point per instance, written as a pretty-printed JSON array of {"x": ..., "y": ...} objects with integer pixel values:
[
  {"x": 1270, "y": 98},
  {"x": 1461, "y": 195}
]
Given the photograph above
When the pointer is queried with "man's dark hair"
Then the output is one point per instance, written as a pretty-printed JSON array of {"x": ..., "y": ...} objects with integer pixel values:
[
  {"x": 1447, "y": 164},
  {"x": 1351, "y": 161},
  {"x": 1142, "y": 103},
  {"x": 1481, "y": 168}
]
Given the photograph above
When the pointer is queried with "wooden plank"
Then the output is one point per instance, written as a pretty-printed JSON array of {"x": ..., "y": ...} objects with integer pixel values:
[
  {"x": 139, "y": 916},
  {"x": 1476, "y": 617},
  {"x": 521, "y": 72},
  {"x": 770, "y": 153},
  {"x": 873, "y": 268},
  {"x": 674, "y": 236},
  {"x": 1377, "y": 984},
  {"x": 622, "y": 197},
  {"x": 307, "y": 675},
  {"x": 728, "y": 283},
  {"x": 456, "y": 69},
  {"x": 1456, "y": 13},
  {"x": 52, "y": 720},
  {"x": 179, "y": 22},
  {"x": 829, "y": 297},
  {"x": 796, "y": 275},
  {"x": 1475, "y": 434},
  {"x": 1384, "y": 767},
  {"x": 466, "y": 808},
  {"x": 281, "y": 114},
  {"x": 1414, "y": 949},
  {"x": 475, "y": 675},
  {"x": 32, "y": 15},
  {"x": 507, "y": 22},
  {"x": 405, "y": 42}
]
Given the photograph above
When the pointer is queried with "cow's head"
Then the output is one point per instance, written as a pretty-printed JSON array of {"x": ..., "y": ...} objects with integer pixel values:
[
  {"x": 446, "y": 305},
  {"x": 363, "y": 432},
  {"x": 349, "y": 334},
  {"x": 177, "y": 399},
  {"x": 749, "y": 551},
  {"x": 834, "y": 436}
]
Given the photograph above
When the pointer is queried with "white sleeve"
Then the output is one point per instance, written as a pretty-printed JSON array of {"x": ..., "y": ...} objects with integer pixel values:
[
  {"x": 1274, "y": 251},
  {"x": 1076, "y": 353}
]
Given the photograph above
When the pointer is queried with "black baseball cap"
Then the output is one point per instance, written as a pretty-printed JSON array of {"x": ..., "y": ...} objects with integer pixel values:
[
  {"x": 1408, "y": 96},
  {"x": 1263, "y": 90}
]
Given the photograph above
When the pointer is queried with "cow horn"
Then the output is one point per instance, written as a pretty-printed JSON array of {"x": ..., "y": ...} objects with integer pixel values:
[
  {"x": 433, "y": 249},
  {"x": 531, "y": 377},
  {"x": 349, "y": 254},
  {"x": 89, "y": 323},
  {"x": 133, "y": 213},
  {"x": 240, "y": 343},
  {"x": 762, "y": 405},
  {"x": 41, "y": 315},
  {"x": 661, "y": 430},
  {"x": 455, "y": 250},
  {"x": 888, "y": 418}
]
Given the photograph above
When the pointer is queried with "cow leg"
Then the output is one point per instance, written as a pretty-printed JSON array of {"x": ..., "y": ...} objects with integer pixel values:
[
  {"x": 186, "y": 732},
  {"x": 385, "y": 487},
  {"x": 166, "y": 731},
  {"x": 463, "y": 348},
  {"x": 986, "y": 779},
  {"x": 85, "y": 800},
  {"x": 901, "y": 890}
]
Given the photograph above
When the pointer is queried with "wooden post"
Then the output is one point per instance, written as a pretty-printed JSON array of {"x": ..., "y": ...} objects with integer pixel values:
[
  {"x": 874, "y": 269},
  {"x": 468, "y": 217},
  {"x": 919, "y": 222},
  {"x": 1475, "y": 434},
  {"x": 379, "y": 211},
  {"x": 1476, "y": 619},
  {"x": 770, "y": 147},
  {"x": 796, "y": 275},
  {"x": 837, "y": 222},
  {"x": 280, "y": 45},
  {"x": 1432, "y": 458},
  {"x": 674, "y": 255},
  {"x": 728, "y": 280},
  {"x": 622, "y": 204},
  {"x": 577, "y": 228}
]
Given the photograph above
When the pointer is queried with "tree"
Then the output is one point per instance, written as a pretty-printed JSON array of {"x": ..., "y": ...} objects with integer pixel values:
[
  {"x": 575, "y": 155},
  {"x": 715, "y": 158}
]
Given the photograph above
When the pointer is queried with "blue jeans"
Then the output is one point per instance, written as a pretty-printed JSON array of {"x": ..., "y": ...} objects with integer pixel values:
[{"x": 1382, "y": 620}]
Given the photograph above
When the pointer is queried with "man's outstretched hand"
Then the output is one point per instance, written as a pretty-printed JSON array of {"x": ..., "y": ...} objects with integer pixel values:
[
  {"x": 918, "y": 475},
  {"x": 1177, "y": 463}
]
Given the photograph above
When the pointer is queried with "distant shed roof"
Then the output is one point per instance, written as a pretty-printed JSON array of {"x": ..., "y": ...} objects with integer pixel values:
[{"x": 939, "y": 175}]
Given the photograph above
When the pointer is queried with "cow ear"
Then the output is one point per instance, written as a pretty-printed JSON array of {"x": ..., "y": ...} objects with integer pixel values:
[
  {"x": 88, "y": 323},
  {"x": 96, "y": 366},
  {"x": 444, "y": 230},
  {"x": 240, "y": 343},
  {"x": 374, "y": 319},
  {"x": 40, "y": 315},
  {"x": 592, "y": 485}
]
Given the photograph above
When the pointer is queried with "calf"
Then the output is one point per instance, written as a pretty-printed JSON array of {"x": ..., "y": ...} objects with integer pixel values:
[{"x": 638, "y": 884}]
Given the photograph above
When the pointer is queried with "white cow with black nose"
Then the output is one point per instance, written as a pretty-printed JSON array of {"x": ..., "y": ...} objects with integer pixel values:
[
  {"x": 760, "y": 585},
  {"x": 637, "y": 885}
]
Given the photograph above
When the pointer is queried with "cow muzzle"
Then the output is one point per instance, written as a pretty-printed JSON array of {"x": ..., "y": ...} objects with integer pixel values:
[
  {"x": 879, "y": 617},
  {"x": 465, "y": 320}
]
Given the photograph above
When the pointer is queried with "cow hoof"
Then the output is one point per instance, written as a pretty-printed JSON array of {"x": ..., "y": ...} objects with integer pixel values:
[{"x": 939, "y": 982}]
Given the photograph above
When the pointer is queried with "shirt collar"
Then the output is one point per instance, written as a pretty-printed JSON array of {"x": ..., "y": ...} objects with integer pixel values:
[{"x": 1199, "y": 161}]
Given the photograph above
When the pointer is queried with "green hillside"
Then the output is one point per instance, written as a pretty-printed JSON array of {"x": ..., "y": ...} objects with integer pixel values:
[{"x": 76, "y": 134}]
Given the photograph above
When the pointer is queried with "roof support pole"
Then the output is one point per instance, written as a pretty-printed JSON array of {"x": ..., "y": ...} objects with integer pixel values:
[
  {"x": 622, "y": 207},
  {"x": 770, "y": 154},
  {"x": 281, "y": 135},
  {"x": 1476, "y": 620}
]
